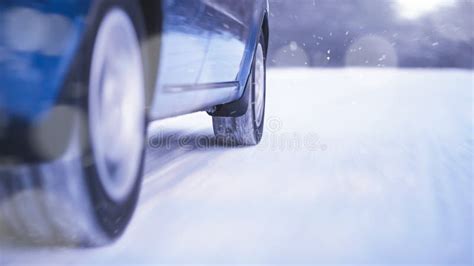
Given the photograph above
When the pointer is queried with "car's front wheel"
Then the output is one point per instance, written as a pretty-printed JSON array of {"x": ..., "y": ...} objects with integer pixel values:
[{"x": 89, "y": 198}]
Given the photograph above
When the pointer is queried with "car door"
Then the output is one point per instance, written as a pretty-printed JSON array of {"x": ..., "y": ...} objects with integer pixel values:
[
  {"x": 206, "y": 49},
  {"x": 232, "y": 23},
  {"x": 184, "y": 43}
]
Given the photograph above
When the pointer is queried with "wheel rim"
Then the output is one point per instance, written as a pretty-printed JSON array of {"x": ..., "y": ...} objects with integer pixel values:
[
  {"x": 259, "y": 85},
  {"x": 116, "y": 102}
]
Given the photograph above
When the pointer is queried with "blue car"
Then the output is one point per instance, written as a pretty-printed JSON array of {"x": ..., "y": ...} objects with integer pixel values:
[{"x": 81, "y": 79}]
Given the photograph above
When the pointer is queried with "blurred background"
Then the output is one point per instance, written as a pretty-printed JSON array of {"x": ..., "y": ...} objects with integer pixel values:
[
  {"x": 372, "y": 33},
  {"x": 367, "y": 161}
]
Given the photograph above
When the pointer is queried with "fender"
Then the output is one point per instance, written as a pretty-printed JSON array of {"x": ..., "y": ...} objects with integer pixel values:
[{"x": 238, "y": 107}]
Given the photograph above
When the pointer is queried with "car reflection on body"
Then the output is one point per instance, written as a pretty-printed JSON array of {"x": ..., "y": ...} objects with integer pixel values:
[{"x": 80, "y": 80}]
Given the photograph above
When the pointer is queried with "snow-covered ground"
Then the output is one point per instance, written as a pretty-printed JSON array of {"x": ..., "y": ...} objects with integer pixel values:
[{"x": 357, "y": 166}]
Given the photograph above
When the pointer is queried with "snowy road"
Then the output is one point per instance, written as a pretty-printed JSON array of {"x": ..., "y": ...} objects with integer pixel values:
[{"x": 357, "y": 166}]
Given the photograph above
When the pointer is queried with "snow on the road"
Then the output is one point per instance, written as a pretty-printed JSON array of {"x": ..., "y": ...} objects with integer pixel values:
[{"x": 357, "y": 166}]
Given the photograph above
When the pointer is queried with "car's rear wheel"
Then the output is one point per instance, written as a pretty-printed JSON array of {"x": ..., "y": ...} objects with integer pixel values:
[
  {"x": 88, "y": 196},
  {"x": 248, "y": 128}
]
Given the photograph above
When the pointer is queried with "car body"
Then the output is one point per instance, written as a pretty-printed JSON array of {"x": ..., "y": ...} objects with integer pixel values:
[
  {"x": 206, "y": 49},
  {"x": 57, "y": 61}
]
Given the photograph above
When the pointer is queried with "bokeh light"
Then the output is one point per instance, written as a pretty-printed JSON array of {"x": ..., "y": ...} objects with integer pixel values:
[{"x": 412, "y": 9}]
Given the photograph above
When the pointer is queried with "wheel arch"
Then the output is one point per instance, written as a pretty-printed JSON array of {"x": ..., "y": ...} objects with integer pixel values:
[
  {"x": 266, "y": 31},
  {"x": 239, "y": 106}
]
